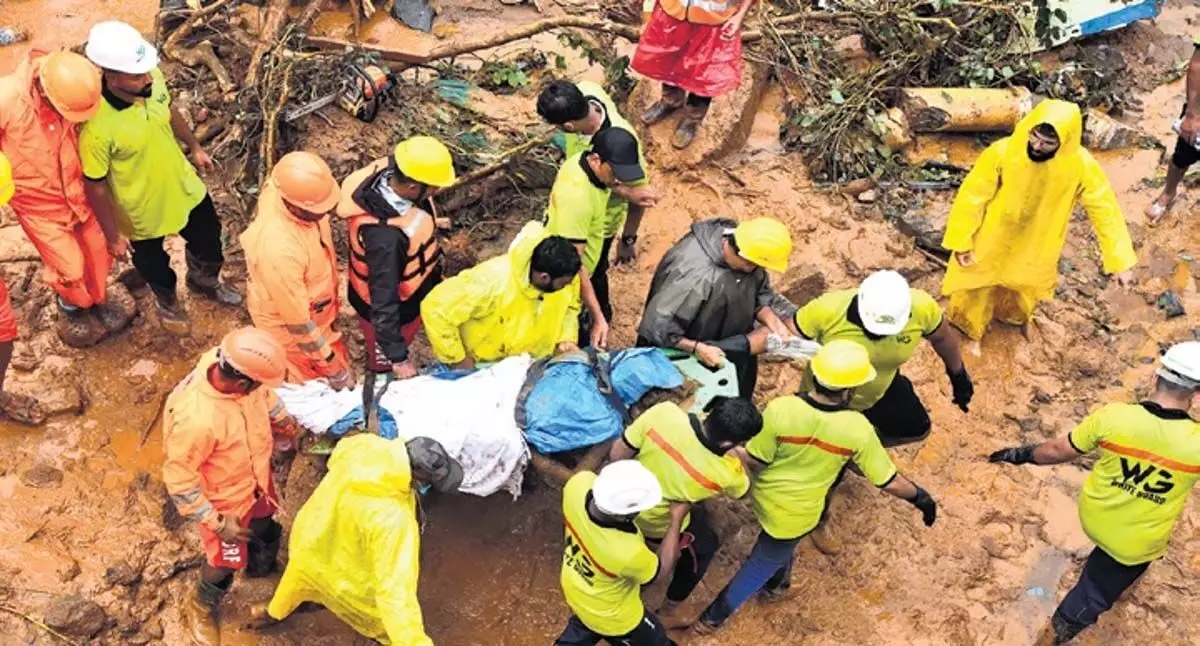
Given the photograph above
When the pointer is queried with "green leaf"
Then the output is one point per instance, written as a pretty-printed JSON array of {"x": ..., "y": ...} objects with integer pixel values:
[
  {"x": 835, "y": 95},
  {"x": 1007, "y": 72},
  {"x": 560, "y": 61}
]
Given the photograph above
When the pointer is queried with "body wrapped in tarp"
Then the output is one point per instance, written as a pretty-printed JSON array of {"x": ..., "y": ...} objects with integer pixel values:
[{"x": 355, "y": 544}]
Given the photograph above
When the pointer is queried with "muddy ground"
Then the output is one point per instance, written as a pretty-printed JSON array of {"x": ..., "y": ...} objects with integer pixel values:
[{"x": 81, "y": 502}]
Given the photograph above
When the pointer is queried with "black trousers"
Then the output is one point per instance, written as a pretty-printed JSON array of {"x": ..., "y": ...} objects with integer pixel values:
[
  {"x": 599, "y": 279},
  {"x": 649, "y": 632},
  {"x": 1185, "y": 154},
  {"x": 1101, "y": 583},
  {"x": 899, "y": 417},
  {"x": 202, "y": 235},
  {"x": 693, "y": 563}
]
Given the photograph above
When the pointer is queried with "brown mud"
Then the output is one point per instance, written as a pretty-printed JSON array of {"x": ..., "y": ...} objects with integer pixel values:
[{"x": 81, "y": 504}]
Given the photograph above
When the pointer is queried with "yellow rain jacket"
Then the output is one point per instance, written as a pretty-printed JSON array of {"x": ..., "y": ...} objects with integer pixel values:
[
  {"x": 355, "y": 544},
  {"x": 1013, "y": 212},
  {"x": 491, "y": 311}
]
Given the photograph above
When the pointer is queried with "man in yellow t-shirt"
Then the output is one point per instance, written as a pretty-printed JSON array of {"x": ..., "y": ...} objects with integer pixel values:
[
  {"x": 692, "y": 463},
  {"x": 139, "y": 183},
  {"x": 806, "y": 443},
  {"x": 889, "y": 319},
  {"x": 578, "y": 211},
  {"x": 1149, "y": 462},
  {"x": 605, "y": 558}
]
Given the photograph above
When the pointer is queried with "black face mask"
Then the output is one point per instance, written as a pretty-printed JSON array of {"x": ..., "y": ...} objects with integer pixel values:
[
  {"x": 145, "y": 92},
  {"x": 1039, "y": 157},
  {"x": 548, "y": 288}
]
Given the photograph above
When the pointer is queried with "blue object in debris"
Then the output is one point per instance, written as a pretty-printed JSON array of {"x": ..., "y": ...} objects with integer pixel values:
[
  {"x": 1119, "y": 18},
  {"x": 354, "y": 419}
]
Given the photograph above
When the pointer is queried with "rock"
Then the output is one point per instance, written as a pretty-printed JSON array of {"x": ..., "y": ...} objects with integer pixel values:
[
  {"x": 68, "y": 573},
  {"x": 1170, "y": 305},
  {"x": 122, "y": 573},
  {"x": 925, "y": 228},
  {"x": 854, "y": 188},
  {"x": 1102, "y": 132},
  {"x": 802, "y": 290},
  {"x": 869, "y": 196},
  {"x": 42, "y": 476},
  {"x": 75, "y": 616},
  {"x": 154, "y": 629}
]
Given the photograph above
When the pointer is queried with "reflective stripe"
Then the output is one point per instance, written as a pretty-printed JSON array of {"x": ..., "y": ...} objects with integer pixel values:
[
  {"x": 820, "y": 444},
  {"x": 682, "y": 461},
  {"x": 415, "y": 225},
  {"x": 312, "y": 346},
  {"x": 307, "y": 327},
  {"x": 586, "y": 551},
  {"x": 276, "y": 410},
  {"x": 715, "y": 6},
  {"x": 1146, "y": 455},
  {"x": 201, "y": 513},
  {"x": 187, "y": 497}
]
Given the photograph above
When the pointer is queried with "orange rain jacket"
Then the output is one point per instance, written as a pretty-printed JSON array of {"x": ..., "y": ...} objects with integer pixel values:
[
  {"x": 218, "y": 446},
  {"x": 49, "y": 200},
  {"x": 293, "y": 290}
]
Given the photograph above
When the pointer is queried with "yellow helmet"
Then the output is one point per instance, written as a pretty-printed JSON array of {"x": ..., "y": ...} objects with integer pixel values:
[
  {"x": 6, "y": 180},
  {"x": 425, "y": 160},
  {"x": 842, "y": 364},
  {"x": 765, "y": 242}
]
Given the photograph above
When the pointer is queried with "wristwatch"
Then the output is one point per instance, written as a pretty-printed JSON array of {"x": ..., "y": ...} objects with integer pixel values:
[{"x": 629, "y": 241}]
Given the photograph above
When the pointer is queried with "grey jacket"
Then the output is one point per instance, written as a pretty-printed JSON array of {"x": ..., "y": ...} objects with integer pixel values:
[{"x": 695, "y": 295}]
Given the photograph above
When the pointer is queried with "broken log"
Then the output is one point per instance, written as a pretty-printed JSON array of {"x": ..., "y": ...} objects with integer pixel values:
[
  {"x": 203, "y": 54},
  {"x": 964, "y": 109},
  {"x": 268, "y": 36},
  {"x": 503, "y": 161}
]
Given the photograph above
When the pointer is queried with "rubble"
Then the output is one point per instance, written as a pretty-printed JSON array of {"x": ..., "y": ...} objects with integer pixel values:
[
  {"x": 42, "y": 476},
  {"x": 75, "y": 616}
]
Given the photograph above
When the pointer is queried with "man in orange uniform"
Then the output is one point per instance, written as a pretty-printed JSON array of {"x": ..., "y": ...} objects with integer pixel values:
[
  {"x": 18, "y": 408},
  {"x": 40, "y": 105},
  {"x": 218, "y": 435},
  {"x": 293, "y": 292}
]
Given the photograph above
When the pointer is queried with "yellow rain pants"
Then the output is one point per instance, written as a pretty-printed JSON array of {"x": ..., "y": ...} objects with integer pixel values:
[
  {"x": 1013, "y": 212},
  {"x": 355, "y": 544}
]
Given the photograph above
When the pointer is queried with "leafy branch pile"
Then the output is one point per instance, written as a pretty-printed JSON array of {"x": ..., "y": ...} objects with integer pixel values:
[{"x": 836, "y": 109}]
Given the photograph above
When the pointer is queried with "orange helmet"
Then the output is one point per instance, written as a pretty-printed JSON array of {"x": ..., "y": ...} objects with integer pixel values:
[
  {"x": 72, "y": 84},
  {"x": 304, "y": 180},
  {"x": 256, "y": 354}
]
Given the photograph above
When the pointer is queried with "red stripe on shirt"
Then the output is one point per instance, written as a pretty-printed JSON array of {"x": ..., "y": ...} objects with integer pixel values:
[
  {"x": 820, "y": 444},
  {"x": 682, "y": 462},
  {"x": 586, "y": 552},
  {"x": 1146, "y": 455}
]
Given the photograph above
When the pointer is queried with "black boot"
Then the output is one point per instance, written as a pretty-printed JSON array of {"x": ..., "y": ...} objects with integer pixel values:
[
  {"x": 204, "y": 278},
  {"x": 201, "y": 613},
  {"x": 263, "y": 548}
]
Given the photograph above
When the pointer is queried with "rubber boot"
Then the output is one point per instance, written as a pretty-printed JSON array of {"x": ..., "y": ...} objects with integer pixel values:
[
  {"x": 259, "y": 617},
  {"x": 1064, "y": 631},
  {"x": 78, "y": 328},
  {"x": 204, "y": 278},
  {"x": 672, "y": 99},
  {"x": 685, "y": 132},
  {"x": 170, "y": 312},
  {"x": 201, "y": 614},
  {"x": 825, "y": 540},
  {"x": 118, "y": 309},
  {"x": 264, "y": 548}
]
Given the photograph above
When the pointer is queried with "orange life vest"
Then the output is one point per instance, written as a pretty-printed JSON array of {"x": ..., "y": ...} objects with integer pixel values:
[
  {"x": 423, "y": 254},
  {"x": 701, "y": 12}
]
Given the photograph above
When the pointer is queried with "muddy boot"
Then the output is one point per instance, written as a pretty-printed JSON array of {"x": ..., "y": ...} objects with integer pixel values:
[
  {"x": 118, "y": 309},
  {"x": 201, "y": 614},
  {"x": 672, "y": 99},
  {"x": 77, "y": 327},
  {"x": 260, "y": 619},
  {"x": 170, "y": 312},
  {"x": 263, "y": 548},
  {"x": 685, "y": 132},
  {"x": 825, "y": 540},
  {"x": 204, "y": 278}
]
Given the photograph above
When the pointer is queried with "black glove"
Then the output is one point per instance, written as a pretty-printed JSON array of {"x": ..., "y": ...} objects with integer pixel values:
[
  {"x": 1014, "y": 455},
  {"x": 964, "y": 390},
  {"x": 926, "y": 504}
]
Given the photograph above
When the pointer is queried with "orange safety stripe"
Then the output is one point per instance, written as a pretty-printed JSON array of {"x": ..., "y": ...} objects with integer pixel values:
[
  {"x": 820, "y": 444},
  {"x": 682, "y": 461},
  {"x": 1146, "y": 455},
  {"x": 586, "y": 552}
]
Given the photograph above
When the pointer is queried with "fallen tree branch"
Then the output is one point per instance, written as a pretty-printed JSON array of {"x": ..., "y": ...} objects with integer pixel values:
[
  {"x": 203, "y": 54},
  {"x": 158, "y": 411},
  {"x": 186, "y": 28},
  {"x": 268, "y": 36},
  {"x": 505, "y": 158},
  {"x": 18, "y": 613}
]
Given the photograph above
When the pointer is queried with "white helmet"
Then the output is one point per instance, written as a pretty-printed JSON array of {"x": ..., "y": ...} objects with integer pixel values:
[
  {"x": 884, "y": 303},
  {"x": 1181, "y": 365},
  {"x": 625, "y": 487},
  {"x": 114, "y": 45}
]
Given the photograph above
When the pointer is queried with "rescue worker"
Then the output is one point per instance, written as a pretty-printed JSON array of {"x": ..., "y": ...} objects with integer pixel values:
[
  {"x": 806, "y": 443},
  {"x": 578, "y": 211},
  {"x": 581, "y": 110},
  {"x": 695, "y": 50},
  {"x": 605, "y": 558},
  {"x": 889, "y": 319},
  {"x": 139, "y": 183},
  {"x": 692, "y": 462},
  {"x": 1009, "y": 222},
  {"x": 394, "y": 255},
  {"x": 19, "y": 408},
  {"x": 1186, "y": 154},
  {"x": 711, "y": 287},
  {"x": 1149, "y": 462},
  {"x": 524, "y": 301},
  {"x": 41, "y": 104},
  {"x": 218, "y": 427},
  {"x": 292, "y": 266},
  {"x": 355, "y": 545}
]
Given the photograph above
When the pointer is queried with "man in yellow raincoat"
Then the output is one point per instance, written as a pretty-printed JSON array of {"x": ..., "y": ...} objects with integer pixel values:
[
  {"x": 1009, "y": 222},
  {"x": 355, "y": 544},
  {"x": 525, "y": 301}
]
